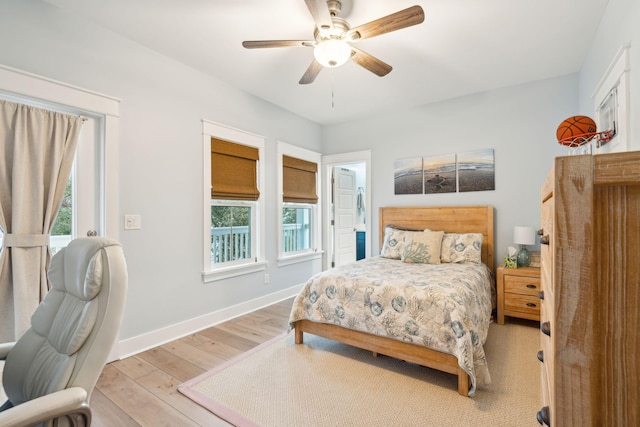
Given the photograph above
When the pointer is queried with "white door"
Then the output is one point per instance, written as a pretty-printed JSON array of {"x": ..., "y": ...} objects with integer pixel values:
[{"x": 344, "y": 216}]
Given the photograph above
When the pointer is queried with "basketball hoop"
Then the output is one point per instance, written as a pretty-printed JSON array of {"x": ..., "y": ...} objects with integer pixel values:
[{"x": 577, "y": 141}]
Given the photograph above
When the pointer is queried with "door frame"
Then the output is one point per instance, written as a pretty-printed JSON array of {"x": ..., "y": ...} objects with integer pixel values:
[{"x": 328, "y": 162}]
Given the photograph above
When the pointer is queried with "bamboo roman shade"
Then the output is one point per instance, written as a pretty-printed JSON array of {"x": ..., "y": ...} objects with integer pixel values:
[
  {"x": 233, "y": 171},
  {"x": 299, "y": 180}
]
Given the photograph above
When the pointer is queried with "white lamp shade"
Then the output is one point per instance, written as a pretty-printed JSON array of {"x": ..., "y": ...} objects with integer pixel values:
[
  {"x": 523, "y": 235},
  {"x": 332, "y": 53}
]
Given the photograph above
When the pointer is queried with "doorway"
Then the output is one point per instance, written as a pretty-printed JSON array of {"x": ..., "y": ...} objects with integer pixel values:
[{"x": 335, "y": 236}]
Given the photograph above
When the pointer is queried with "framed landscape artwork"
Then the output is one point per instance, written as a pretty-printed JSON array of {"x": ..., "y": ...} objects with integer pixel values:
[
  {"x": 439, "y": 174},
  {"x": 449, "y": 173},
  {"x": 476, "y": 171},
  {"x": 407, "y": 176}
]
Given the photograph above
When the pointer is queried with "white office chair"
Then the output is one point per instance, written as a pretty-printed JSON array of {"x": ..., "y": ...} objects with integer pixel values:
[{"x": 50, "y": 372}]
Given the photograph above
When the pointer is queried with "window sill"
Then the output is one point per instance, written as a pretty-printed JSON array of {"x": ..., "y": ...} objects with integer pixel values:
[
  {"x": 236, "y": 270},
  {"x": 294, "y": 259}
]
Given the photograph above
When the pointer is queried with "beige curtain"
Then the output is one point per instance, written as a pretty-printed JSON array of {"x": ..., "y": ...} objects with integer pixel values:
[{"x": 37, "y": 148}]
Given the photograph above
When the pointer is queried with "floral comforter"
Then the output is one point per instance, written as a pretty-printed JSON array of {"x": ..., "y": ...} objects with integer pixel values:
[{"x": 446, "y": 307}]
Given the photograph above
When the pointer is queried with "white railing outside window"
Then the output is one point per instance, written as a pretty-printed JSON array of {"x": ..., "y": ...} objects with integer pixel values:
[
  {"x": 295, "y": 237},
  {"x": 233, "y": 243},
  {"x": 230, "y": 243}
]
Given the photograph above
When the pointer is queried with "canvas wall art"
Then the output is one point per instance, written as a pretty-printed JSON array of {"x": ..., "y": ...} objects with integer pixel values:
[
  {"x": 449, "y": 173},
  {"x": 439, "y": 174},
  {"x": 407, "y": 176},
  {"x": 476, "y": 171}
]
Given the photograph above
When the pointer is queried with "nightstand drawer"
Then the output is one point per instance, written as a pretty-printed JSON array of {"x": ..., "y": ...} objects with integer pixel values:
[
  {"x": 521, "y": 303},
  {"x": 522, "y": 285}
]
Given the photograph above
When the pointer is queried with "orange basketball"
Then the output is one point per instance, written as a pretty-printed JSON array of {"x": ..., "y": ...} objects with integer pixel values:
[{"x": 572, "y": 129}]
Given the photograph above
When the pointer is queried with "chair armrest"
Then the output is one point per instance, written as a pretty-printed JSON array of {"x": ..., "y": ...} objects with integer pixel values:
[
  {"x": 5, "y": 348},
  {"x": 71, "y": 401}
]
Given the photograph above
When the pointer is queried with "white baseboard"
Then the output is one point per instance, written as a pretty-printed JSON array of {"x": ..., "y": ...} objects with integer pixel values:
[{"x": 135, "y": 345}]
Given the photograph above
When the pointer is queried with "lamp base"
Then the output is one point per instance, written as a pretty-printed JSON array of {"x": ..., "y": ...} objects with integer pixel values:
[{"x": 523, "y": 257}]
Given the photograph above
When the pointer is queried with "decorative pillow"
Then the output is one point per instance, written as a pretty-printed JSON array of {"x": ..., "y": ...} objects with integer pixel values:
[
  {"x": 393, "y": 244},
  {"x": 422, "y": 247},
  {"x": 461, "y": 248}
]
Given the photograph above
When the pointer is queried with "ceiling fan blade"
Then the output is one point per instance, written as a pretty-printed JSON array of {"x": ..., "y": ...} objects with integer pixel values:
[
  {"x": 369, "y": 62},
  {"x": 320, "y": 12},
  {"x": 396, "y": 21},
  {"x": 311, "y": 73},
  {"x": 257, "y": 44}
]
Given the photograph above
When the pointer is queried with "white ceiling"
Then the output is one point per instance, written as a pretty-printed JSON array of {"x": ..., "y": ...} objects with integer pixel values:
[{"x": 462, "y": 47}]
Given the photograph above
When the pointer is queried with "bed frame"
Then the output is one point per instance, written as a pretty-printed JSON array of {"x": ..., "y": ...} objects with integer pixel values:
[{"x": 454, "y": 219}]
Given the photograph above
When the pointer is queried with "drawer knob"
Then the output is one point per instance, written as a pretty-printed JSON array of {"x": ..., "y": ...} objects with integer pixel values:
[
  {"x": 544, "y": 240},
  {"x": 546, "y": 328},
  {"x": 541, "y": 295},
  {"x": 531, "y": 304},
  {"x": 531, "y": 286},
  {"x": 543, "y": 416},
  {"x": 540, "y": 356}
]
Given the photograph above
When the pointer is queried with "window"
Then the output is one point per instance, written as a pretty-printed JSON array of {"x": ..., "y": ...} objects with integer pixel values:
[
  {"x": 234, "y": 205},
  {"x": 89, "y": 199},
  {"x": 231, "y": 226},
  {"x": 299, "y": 214},
  {"x": 296, "y": 227}
]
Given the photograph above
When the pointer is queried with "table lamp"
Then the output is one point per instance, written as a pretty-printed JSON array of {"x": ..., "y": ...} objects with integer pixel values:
[{"x": 523, "y": 236}]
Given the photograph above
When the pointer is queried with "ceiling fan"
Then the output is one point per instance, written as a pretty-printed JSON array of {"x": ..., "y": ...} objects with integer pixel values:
[{"x": 333, "y": 35}]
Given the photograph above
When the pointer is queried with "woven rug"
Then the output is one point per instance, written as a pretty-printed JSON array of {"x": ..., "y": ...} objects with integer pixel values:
[{"x": 324, "y": 383}]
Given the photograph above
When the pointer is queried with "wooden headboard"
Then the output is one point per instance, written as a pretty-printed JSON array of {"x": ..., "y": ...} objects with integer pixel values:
[{"x": 452, "y": 219}]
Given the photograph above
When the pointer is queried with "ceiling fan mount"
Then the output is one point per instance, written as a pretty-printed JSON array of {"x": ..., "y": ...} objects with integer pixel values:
[{"x": 333, "y": 37}]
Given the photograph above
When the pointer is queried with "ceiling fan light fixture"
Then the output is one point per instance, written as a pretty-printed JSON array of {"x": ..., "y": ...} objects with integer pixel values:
[{"x": 332, "y": 53}]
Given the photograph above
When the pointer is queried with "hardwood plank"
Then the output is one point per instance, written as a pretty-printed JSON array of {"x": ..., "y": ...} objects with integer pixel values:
[
  {"x": 134, "y": 367},
  {"x": 217, "y": 334},
  {"x": 195, "y": 355},
  {"x": 245, "y": 332},
  {"x": 105, "y": 413},
  {"x": 221, "y": 350},
  {"x": 165, "y": 387},
  {"x": 172, "y": 364},
  {"x": 145, "y": 408}
]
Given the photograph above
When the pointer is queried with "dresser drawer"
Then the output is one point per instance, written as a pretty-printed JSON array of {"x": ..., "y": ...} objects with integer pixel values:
[
  {"x": 521, "y": 304},
  {"x": 522, "y": 285}
]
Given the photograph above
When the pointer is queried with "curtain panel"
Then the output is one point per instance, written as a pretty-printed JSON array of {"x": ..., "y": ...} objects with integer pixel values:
[
  {"x": 38, "y": 148},
  {"x": 233, "y": 171},
  {"x": 299, "y": 180}
]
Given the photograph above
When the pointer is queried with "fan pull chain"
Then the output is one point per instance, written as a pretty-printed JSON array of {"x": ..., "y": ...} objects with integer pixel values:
[{"x": 333, "y": 105}]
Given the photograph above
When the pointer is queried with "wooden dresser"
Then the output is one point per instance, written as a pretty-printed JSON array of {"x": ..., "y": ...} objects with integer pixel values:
[{"x": 590, "y": 311}]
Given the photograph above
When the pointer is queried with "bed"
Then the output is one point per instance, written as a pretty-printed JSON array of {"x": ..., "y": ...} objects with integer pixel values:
[{"x": 355, "y": 304}]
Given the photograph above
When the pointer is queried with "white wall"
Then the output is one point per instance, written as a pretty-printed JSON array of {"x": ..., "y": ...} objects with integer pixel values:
[
  {"x": 163, "y": 103},
  {"x": 519, "y": 123}
]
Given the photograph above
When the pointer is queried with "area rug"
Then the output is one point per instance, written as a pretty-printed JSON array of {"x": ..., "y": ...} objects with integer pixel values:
[{"x": 324, "y": 383}]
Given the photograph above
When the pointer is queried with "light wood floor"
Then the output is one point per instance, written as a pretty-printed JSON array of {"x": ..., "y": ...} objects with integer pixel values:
[{"x": 141, "y": 390}]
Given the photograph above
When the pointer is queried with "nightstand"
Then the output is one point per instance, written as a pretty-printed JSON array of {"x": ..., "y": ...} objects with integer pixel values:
[{"x": 518, "y": 293}]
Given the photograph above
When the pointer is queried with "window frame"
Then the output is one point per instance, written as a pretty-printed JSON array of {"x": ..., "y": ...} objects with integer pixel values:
[
  {"x": 312, "y": 226},
  {"x": 252, "y": 226},
  {"x": 315, "y": 251},
  {"x": 27, "y": 88},
  {"x": 210, "y": 271}
]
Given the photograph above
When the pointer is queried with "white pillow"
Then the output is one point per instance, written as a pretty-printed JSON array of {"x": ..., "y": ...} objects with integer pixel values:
[
  {"x": 422, "y": 247},
  {"x": 461, "y": 248},
  {"x": 393, "y": 244}
]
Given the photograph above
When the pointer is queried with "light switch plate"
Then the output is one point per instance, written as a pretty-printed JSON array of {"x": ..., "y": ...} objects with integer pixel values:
[{"x": 132, "y": 222}]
